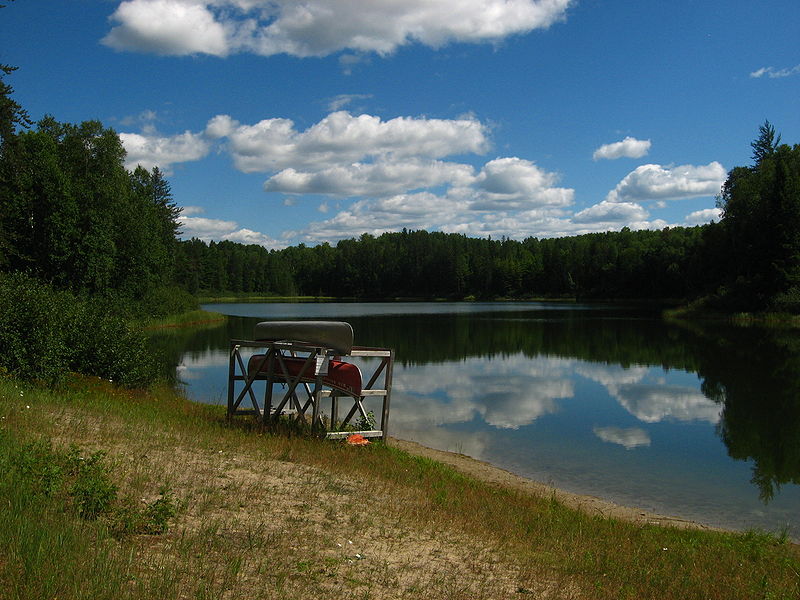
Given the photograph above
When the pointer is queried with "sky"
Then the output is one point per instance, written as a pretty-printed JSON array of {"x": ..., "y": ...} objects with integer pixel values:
[{"x": 279, "y": 122}]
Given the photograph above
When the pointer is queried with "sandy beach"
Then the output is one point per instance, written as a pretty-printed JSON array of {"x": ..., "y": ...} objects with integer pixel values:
[{"x": 489, "y": 473}]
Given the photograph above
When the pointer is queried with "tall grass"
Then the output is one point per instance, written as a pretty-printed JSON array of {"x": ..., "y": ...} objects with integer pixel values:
[{"x": 259, "y": 515}]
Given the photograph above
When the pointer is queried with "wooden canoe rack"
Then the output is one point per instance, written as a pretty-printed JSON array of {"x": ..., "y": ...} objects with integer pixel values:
[{"x": 303, "y": 363}]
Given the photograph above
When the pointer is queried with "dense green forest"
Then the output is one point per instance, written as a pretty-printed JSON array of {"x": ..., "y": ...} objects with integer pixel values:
[
  {"x": 749, "y": 261},
  {"x": 673, "y": 263}
]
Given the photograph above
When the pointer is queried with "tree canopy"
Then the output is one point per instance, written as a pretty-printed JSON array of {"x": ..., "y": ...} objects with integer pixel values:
[
  {"x": 761, "y": 215},
  {"x": 74, "y": 216}
]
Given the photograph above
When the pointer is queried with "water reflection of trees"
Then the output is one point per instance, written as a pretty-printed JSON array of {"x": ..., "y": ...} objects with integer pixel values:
[{"x": 753, "y": 374}]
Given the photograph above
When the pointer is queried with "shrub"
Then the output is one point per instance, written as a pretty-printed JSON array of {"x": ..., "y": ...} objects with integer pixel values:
[
  {"x": 79, "y": 482},
  {"x": 788, "y": 301},
  {"x": 45, "y": 333},
  {"x": 164, "y": 301}
]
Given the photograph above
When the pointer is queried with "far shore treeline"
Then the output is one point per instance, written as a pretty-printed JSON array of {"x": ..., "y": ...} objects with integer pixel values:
[
  {"x": 87, "y": 248},
  {"x": 749, "y": 261}
]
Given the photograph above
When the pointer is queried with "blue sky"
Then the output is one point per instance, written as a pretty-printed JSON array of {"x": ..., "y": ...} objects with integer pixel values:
[{"x": 287, "y": 121}]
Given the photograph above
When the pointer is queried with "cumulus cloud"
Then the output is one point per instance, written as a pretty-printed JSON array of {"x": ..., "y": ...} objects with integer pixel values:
[
  {"x": 398, "y": 173},
  {"x": 217, "y": 229},
  {"x": 700, "y": 217},
  {"x": 151, "y": 149},
  {"x": 341, "y": 139},
  {"x": 505, "y": 183},
  {"x": 655, "y": 182},
  {"x": 774, "y": 73},
  {"x": 320, "y": 27},
  {"x": 339, "y": 102},
  {"x": 611, "y": 213},
  {"x": 172, "y": 27},
  {"x": 371, "y": 179},
  {"x": 627, "y": 148},
  {"x": 630, "y": 438}
]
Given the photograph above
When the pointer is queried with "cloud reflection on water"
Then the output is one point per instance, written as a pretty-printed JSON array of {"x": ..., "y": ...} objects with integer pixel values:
[
  {"x": 507, "y": 393},
  {"x": 652, "y": 402},
  {"x": 632, "y": 437}
]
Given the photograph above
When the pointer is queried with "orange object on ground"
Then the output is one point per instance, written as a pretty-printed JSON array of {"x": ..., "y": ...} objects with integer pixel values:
[{"x": 357, "y": 440}]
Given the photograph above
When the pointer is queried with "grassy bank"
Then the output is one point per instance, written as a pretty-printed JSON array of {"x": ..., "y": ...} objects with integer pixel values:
[
  {"x": 254, "y": 297},
  {"x": 258, "y": 515},
  {"x": 775, "y": 320},
  {"x": 191, "y": 318}
]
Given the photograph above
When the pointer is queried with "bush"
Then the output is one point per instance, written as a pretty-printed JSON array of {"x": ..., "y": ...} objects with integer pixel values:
[
  {"x": 76, "y": 482},
  {"x": 35, "y": 475},
  {"x": 788, "y": 301},
  {"x": 46, "y": 333},
  {"x": 164, "y": 301}
]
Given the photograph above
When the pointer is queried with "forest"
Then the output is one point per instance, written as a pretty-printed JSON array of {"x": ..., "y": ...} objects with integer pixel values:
[
  {"x": 86, "y": 241},
  {"x": 748, "y": 261},
  {"x": 74, "y": 218}
]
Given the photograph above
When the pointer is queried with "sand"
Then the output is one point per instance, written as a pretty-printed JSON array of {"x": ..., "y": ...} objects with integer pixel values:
[{"x": 484, "y": 471}]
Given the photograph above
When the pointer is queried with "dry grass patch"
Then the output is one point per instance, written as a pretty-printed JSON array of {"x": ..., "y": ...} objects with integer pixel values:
[{"x": 269, "y": 516}]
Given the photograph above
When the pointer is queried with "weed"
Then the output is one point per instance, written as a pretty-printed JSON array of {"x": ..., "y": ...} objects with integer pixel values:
[
  {"x": 92, "y": 490},
  {"x": 366, "y": 423}
]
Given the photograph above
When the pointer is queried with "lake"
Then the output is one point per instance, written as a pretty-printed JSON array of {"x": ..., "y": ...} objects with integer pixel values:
[{"x": 700, "y": 421}]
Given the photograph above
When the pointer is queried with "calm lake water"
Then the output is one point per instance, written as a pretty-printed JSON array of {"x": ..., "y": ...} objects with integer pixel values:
[{"x": 700, "y": 422}]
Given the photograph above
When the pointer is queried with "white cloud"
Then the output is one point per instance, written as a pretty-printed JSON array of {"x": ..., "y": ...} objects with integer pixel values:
[
  {"x": 630, "y": 438},
  {"x": 654, "y": 182},
  {"x": 220, "y": 126},
  {"x": 339, "y": 102},
  {"x": 153, "y": 150},
  {"x": 172, "y": 27},
  {"x": 774, "y": 73},
  {"x": 188, "y": 211},
  {"x": 506, "y": 183},
  {"x": 343, "y": 139},
  {"x": 628, "y": 148},
  {"x": 216, "y": 229},
  {"x": 700, "y": 217},
  {"x": 611, "y": 214},
  {"x": 205, "y": 228},
  {"x": 320, "y": 27},
  {"x": 398, "y": 174},
  {"x": 370, "y": 179}
]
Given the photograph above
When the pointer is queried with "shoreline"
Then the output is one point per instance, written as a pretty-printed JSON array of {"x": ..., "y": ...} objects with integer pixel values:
[{"x": 591, "y": 505}]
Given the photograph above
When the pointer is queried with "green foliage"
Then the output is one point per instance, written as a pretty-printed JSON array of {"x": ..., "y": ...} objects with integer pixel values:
[
  {"x": 46, "y": 333},
  {"x": 74, "y": 216},
  {"x": 92, "y": 490},
  {"x": 12, "y": 115},
  {"x": 366, "y": 423},
  {"x": 766, "y": 143},
  {"x": 748, "y": 261},
  {"x": 158, "y": 513},
  {"x": 163, "y": 301},
  {"x": 79, "y": 483},
  {"x": 152, "y": 518},
  {"x": 761, "y": 219},
  {"x": 672, "y": 263}
]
